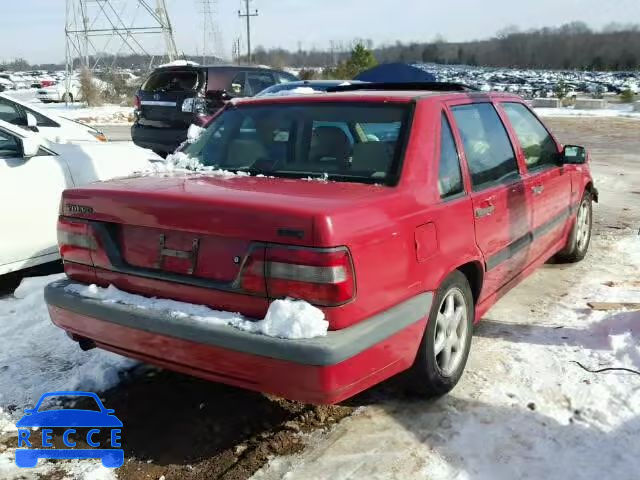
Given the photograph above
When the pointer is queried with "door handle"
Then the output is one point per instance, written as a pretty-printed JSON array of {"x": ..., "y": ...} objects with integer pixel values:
[
  {"x": 485, "y": 211},
  {"x": 537, "y": 190}
]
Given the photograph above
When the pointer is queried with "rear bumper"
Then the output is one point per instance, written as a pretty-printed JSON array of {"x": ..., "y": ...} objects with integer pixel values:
[
  {"x": 319, "y": 370},
  {"x": 158, "y": 139}
]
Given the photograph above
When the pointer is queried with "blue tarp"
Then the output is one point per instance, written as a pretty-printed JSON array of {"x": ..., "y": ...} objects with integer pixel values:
[{"x": 396, "y": 73}]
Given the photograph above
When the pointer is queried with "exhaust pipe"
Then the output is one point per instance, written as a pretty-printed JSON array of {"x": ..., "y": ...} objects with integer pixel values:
[{"x": 85, "y": 344}]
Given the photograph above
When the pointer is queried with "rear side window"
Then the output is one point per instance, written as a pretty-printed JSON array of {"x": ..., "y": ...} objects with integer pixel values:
[
  {"x": 258, "y": 81},
  {"x": 539, "y": 148},
  {"x": 172, "y": 81},
  {"x": 450, "y": 175},
  {"x": 487, "y": 147},
  {"x": 284, "y": 77}
]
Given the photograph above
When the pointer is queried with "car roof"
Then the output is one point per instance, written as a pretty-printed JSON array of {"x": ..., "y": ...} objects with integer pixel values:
[
  {"x": 29, "y": 106},
  {"x": 218, "y": 67},
  {"x": 320, "y": 82},
  {"x": 395, "y": 96}
]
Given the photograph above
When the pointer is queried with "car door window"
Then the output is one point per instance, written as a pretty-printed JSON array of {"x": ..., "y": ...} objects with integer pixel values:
[
  {"x": 286, "y": 78},
  {"x": 487, "y": 147},
  {"x": 450, "y": 175},
  {"x": 539, "y": 147},
  {"x": 12, "y": 113},
  {"x": 9, "y": 145},
  {"x": 258, "y": 81}
]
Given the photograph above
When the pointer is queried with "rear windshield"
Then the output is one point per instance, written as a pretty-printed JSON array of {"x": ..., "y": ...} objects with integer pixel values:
[
  {"x": 336, "y": 141},
  {"x": 172, "y": 81}
]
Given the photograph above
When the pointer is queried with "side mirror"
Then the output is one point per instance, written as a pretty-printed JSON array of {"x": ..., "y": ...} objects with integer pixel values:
[
  {"x": 30, "y": 147},
  {"x": 32, "y": 122},
  {"x": 573, "y": 155}
]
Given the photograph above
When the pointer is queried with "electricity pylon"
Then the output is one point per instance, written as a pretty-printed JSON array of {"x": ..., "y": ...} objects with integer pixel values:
[
  {"x": 211, "y": 36},
  {"x": 95, "y": 28}
]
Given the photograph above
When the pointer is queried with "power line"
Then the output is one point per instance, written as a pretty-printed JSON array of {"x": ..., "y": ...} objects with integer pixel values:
[{"x": 248, "y": 16}]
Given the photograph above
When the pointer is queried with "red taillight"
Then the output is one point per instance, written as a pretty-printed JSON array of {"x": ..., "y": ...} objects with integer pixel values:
[
  {"x": 136, "y": 102},
  {"x": 319, "y": 276},
  {"x": 75, "y": 241}
]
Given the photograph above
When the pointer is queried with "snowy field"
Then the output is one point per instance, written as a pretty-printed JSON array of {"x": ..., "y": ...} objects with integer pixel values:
[
  {"x": 612, "y": 111},
  {"x": 523, "y": 409}
]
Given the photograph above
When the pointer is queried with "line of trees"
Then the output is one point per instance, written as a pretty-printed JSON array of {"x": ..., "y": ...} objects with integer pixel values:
[{"x": 570, "y": 46}]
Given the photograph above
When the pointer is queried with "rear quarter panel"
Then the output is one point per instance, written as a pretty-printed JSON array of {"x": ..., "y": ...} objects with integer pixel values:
[{"x": 408, "y": 243}]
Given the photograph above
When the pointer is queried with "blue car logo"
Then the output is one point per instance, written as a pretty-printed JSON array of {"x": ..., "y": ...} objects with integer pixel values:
[{"x": 69, "y": 419}]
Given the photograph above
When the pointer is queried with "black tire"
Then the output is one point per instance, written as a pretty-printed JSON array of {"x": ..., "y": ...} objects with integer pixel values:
[
  {"x": 426, "y": 378},
  {"x": 67, "y": 97},
  {"x": 577, "y": 247}
]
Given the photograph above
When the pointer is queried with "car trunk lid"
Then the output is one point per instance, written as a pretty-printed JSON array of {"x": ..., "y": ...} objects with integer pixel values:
[{"x": 159, "y": 235}]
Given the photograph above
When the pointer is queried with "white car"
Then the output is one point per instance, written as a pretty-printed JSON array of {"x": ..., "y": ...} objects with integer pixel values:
[
  {"x": 33, "y": 174},
  {"x": 53, "y": 127},
  {"x": 62, "y": 91},
  {"x": 6, "y": 84}
]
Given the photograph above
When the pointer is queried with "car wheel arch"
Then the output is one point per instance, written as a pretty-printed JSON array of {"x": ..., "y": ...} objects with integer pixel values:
[
  {"x": 473, "y": 270},
  {"x": 589, "y": 187}
]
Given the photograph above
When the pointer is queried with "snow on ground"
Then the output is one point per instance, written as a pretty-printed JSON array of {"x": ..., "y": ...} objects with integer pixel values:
[
  {"x": 103, "y": 115},
  {"x": 614, "y": 110},
  {"x": 38, "y": 357},
  {"x": 522, "y": 409},
  {"x": 290, "y": 319},
  {"x": 78, "y": 111},
  {"x": 73, "y": 470}
]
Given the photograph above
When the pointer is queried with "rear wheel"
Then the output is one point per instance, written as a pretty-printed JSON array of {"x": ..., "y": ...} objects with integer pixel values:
[
  {"x": 67, "y": 97},
  {"x": 447, "y": 339},
  {"x": 580, "y": 237}
]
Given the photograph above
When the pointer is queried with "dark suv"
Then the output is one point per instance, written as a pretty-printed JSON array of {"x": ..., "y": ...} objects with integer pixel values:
[{"x": 178, "y": 95}]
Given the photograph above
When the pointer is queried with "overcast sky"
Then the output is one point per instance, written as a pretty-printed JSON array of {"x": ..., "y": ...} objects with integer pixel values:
[{"x": 34, "y": 29}]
